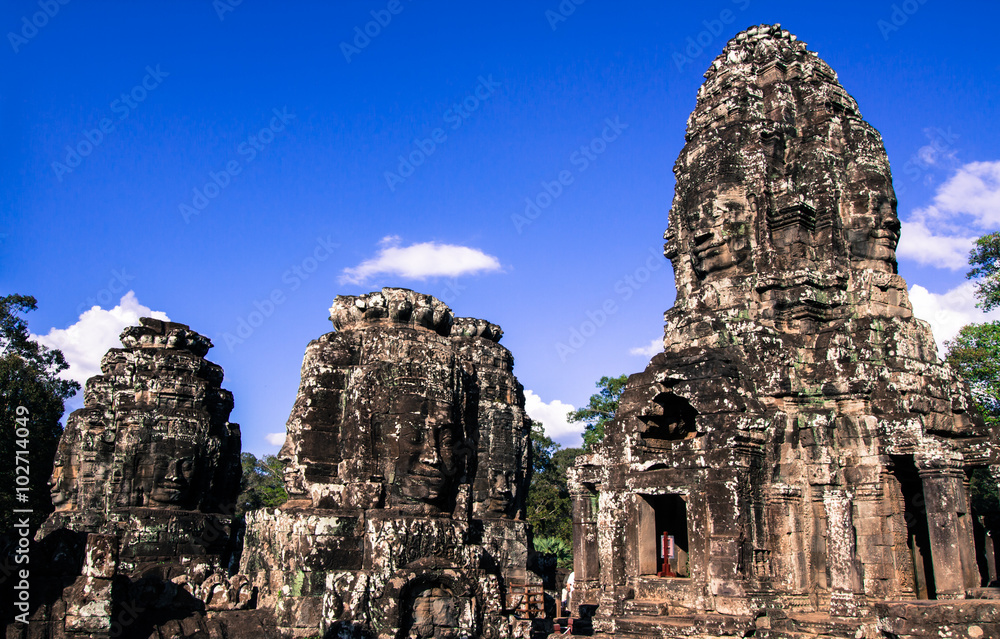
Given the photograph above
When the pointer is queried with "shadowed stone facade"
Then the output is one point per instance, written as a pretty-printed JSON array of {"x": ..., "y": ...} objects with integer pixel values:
[
  {"x": 798, "y": 452},
  {"x": 408, "y": 451},
  {"x": 144, "y": 485}
]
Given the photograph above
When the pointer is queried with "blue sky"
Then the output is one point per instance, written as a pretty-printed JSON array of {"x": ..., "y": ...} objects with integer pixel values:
[{"x": 237, "y": 164}]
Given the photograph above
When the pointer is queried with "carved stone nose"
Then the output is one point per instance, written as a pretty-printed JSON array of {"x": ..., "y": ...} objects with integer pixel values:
[
  {"x": 173, "y": 469},
  {"x": 429, "y": 452}
]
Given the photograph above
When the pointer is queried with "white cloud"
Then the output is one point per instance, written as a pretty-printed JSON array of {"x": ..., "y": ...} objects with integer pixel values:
[
  {"x": 948, "y": 312},
  {"x": 275, "y": 439},
  {"x": 964, "y": 207},
  {"x": 974, "y": 190},
  {"x": 553, "y": 417},
  {"x": 648, "y": 350},
  {"x": 927, "y": 155},
  {"x": 420, "y": 261},
  {"x": 85, "y": 342},
  {"x": 918, "y": 243}
]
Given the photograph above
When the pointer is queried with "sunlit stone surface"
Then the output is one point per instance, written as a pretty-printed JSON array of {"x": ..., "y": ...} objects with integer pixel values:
[
  {"x": 408, "y": 456},
  {"x": 798, "y": 441}
]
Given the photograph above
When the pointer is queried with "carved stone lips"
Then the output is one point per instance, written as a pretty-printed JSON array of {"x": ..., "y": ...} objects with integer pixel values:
[
  {"x": 427, "y": 471},
  {"x": 707, "y": 245},
  {"x": 884, "y": 234}
]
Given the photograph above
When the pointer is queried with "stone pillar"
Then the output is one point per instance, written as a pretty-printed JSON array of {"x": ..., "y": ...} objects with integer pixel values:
[
  {"x": 788, "y": 557},
  {"x": 586, "y": 564},
  {"x": 89, "y": 602},
  {"x": 846, "y": 599},
  {"x": 950, "y": 526}
]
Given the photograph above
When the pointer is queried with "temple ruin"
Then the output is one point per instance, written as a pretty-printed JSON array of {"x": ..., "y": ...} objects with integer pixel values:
[
  {"x": 408, "y": 456},
  {"x": 796, "y": 462},
  {"x": 144, "y": 486}
]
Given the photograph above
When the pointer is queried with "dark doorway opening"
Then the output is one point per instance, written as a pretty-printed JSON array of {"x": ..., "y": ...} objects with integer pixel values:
[
  {"x": 917, "y": 534},
  {"x": 663, "y": 536},
  {"x": 985, "y": 508}
]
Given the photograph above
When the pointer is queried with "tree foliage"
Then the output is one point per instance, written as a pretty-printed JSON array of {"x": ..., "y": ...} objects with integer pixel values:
[
  {"x": 562, "y": 551},
  {"x": 600, "y": 410},
  {"x": 262, "y": 485},
  {"x": 983, "y": 494},
  {"x": 29, "y": 378},
  {"x": 549, "y": 506},
  {"x": 985, "y": 262},
  {"x": 975, "y": 355}
]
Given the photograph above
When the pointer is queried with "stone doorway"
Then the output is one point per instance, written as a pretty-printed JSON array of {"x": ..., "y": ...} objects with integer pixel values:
[
  {"x": 917, "y": 532},
  {"x": 663, "y": 536}
]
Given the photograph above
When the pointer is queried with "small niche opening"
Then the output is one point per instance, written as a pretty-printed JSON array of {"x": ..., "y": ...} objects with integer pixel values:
[
  {"x": 663, "y": 536},
  {"x": 670, "y": 418}
]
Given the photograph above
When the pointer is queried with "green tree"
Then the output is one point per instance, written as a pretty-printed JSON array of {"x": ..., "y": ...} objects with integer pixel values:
[
  {"x": 262, "y": 485},
  {"x": 985, "y": 262},
  {"x": 562, "y": 551},
  {"x": 975, "y": 355},
  {"x": 28, "y": 378},
  {"x": 549, "y": 505},
  {"x": 600, "y": 410}
]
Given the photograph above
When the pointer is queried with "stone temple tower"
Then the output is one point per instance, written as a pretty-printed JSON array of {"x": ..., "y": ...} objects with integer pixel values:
[
  {"x": 145, "y": 481},
  {"x": 408, "y": 451},
  {"x": 798, "y": 458}
]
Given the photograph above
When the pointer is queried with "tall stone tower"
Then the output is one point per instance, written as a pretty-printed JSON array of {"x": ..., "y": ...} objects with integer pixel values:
[
  {"x": 408, "y": 451},
  {"x": 144, "y": 486},
  {"x": 798, "y": 457}
]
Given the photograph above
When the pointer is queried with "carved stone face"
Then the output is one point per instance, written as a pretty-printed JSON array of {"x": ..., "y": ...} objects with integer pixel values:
[
  {"x": 873, "y": 237},
  {"x": 720, "y": 232},
  {"x": 500, "y": 496},
  {"x": 436, "y": 613},
  {"x": 62, "y": 485},
  {"x": 168, "y": 476},
  {"x": 428, "y": 461}
]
